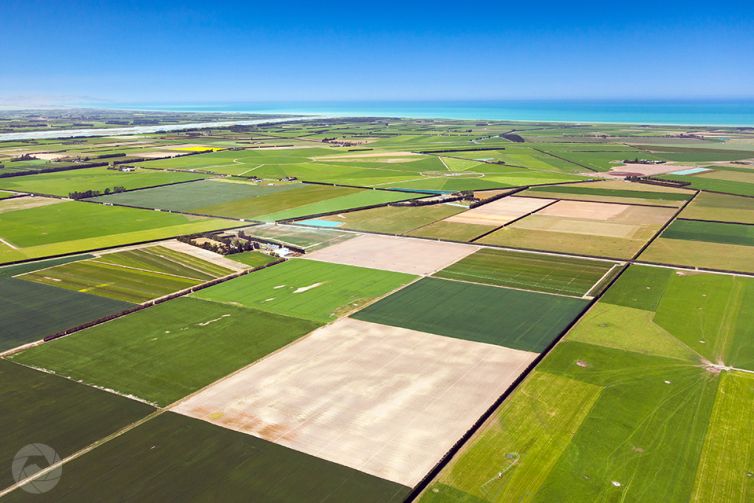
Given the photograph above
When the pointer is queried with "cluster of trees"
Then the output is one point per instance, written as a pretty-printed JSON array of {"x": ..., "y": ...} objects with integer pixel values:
[
  {"x": 94, "y": 193},
  {"x": 222, "y": 244}
]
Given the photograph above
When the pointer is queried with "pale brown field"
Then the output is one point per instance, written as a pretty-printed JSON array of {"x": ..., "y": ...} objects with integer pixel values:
[
  {"x": 384, "y": 400},
  {"x": 399, "y": 254}
]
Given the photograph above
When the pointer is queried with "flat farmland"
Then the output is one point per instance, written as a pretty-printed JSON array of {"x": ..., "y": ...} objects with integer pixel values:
[
  {"x": 62, "y": 183},
  {"x": 33, "y": 311},
  {"x": 737, "y": 181},
  {"x": 173, "y": 456},
  {"x": 65, "y": 415},
  {"x": 253, "y": 258},
  {"x": 132, "y": 276},
  {"x": 392, "y": 219},
  {"x": 585, "y": 228},
  {"x": 243, "y": 162},
  {"x": 472, "y": 312},
  {"x": 389, "y": 253},
  {"x": 395, "y": 398},
  {"x": 316, "y": 291},
  {"x": 713, "y": 232},
  {"x": 704, "y": 244},
  {"x": 615, "y": 191},
  {"x": 165, "y": 352},
  {"x": 27, "y": 233},
  {"x": 266, "y": 201},
  {"x": 307, "y": 238},
  {"x": 500, "y": 212},
  {"x": 530, "y": 271},
  {"x": 468, "y": 225},
  {"x": 709, "y": 206},
  {"x": 636, "y": 403}
]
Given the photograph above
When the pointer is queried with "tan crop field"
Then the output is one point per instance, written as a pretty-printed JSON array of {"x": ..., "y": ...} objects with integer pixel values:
[
  {"x": 385, "y": 400},
  {"x": 399, "y": 254},
  {"x": 500, "y": 212}
]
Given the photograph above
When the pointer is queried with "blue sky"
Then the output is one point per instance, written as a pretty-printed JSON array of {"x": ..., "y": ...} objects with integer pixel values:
[{"x": 274, "y": 51}]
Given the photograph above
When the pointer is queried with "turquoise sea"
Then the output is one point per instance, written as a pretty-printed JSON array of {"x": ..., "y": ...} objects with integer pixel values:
[{"x": 688, "y": 112}]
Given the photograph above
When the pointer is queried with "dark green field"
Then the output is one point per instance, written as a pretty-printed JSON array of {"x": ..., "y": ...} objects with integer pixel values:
[
  {"x": 67, "y": 416},
  {"x": 713, "y": 232},
  {"x": 529, "y": 271},
  {"x": 31, "y": 311},
  {"x": 177, "y": 458},
  {"x": 513, "y": 318},
  {"x": 165, "y": 352}
]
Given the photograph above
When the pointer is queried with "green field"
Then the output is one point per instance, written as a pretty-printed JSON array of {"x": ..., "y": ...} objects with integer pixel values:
[
  {"x": 543, "y": 273},
  {"x": 712, "y": 232},
  {"x": 513, "y": 318},
  {"x": 253, "y": 258},
  {"x": 393, "y": 219},
  {"x": 33, "y": 311},
  {"x": 80, "y": 226},
  {"x": 627, "y": 411},
  {"x": 711, "y": 245},
  {"x": 727, "y": 180},
  {"x": 317, "y": 291},
  {"x": 163, "y": 353},
  {"x": 709, "y": 206},
  {"x": 177, "y": 457},
  {"x": 62, "y": 183},
  {"x": 261, "y": 201},
  {"x": 310, "y": 239},
  {"x": 62, "y": 414},
  {"x": 131, "y": 276},
  {"x": 619, "y": 192},
  {"x": 6, "y": 195}
]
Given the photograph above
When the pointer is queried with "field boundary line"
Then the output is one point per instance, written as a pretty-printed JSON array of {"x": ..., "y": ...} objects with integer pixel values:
[
  {"x": 506, "y": 224},
  {"x": 663, "y": 265},
  {"x": 504, "y": 286},
  {"x": 484, "y": 245},
  {"x": 599, "y": 202},
  {"x": 480, "y": 422},
  {"x": 84, "y": 450},
  {"x": 714, "y": 221},
  {"x": 286, "y": 346},
  {"x": 665, "y": 226},
  {"x": 138, "y": 307},
  {"x": 135, "y": 243}
]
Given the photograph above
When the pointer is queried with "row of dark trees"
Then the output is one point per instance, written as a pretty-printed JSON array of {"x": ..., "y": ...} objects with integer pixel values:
[{"x": 94, "y": 193}]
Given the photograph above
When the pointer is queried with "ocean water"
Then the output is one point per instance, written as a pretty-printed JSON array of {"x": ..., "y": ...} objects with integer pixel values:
[{"x": 688, "y": 112}]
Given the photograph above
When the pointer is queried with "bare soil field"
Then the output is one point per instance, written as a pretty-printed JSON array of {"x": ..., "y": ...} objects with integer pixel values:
[
  {"x": 585, "y": 210},
  {"x": 24, "y": 203},
  {"x": 399, "y": 254},
  {"x": 500, "y": 212},
  {"x": 385, "y": 400}
]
